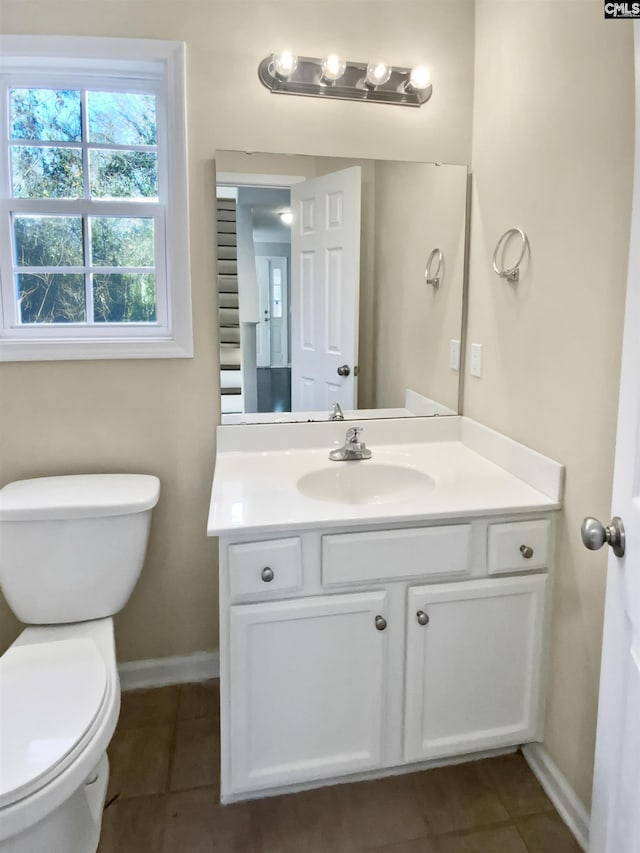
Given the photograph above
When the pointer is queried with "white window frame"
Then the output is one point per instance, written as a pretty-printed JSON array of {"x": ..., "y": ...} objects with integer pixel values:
[{"x": 144, "y": 65}]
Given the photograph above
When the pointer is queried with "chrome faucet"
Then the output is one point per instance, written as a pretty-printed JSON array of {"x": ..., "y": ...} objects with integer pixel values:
[
  {"x": 336, "y": 413},
  {"x": 353, "y": 448}
]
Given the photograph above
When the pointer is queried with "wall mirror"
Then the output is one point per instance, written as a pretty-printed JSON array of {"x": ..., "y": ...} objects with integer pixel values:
[{"x": 340, "y": 281}]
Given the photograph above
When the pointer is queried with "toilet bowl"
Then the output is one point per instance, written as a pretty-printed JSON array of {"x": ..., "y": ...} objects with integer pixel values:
[
  {"x": 59, "y": 706},
  {"x": 59, "y": 687}
]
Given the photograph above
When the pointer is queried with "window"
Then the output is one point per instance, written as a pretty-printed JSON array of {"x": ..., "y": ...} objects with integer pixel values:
[{"x": 93, "y": 207}]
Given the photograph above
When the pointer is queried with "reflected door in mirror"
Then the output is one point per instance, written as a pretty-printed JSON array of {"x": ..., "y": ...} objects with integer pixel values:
[{"x": 325, "y": 250}]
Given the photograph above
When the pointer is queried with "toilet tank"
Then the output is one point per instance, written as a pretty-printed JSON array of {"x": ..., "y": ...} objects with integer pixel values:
[{"x": 72, "y": 548}]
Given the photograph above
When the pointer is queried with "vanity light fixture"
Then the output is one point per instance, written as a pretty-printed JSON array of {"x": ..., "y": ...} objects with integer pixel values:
[
  {"x": 419, "y": 79},
  {"x": 284, "y": 64},
  {"x": 286, "y": 216},
  {"x": 333, "y": 67},
  {"x": 377, "y": 74},
  {"x": 333, "y": 77}
]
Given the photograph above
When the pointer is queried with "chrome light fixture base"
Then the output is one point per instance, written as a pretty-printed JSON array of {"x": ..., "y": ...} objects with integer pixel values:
[{"x": 307, "y": 79}]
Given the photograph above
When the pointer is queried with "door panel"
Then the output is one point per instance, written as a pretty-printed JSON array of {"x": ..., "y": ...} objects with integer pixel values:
[
  {"x": 306, "y": 689},
  {"x": 615, "y": 813},
  {"x": 272, "y": 331},
  {"x": 473, "y": 670},
  {"x": 325, "y": 281}
]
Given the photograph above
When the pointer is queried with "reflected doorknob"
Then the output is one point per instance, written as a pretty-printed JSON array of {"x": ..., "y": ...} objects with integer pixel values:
[
  {"x": 595, "y": 535},
  {"x": 344, "y": 370}
]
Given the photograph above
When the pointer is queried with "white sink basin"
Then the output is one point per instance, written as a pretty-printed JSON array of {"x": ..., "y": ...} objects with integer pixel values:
[{"x": 364, "y": 482}]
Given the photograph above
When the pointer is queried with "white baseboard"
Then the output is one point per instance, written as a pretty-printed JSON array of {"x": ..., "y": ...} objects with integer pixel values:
[
  {"x": 557, "y": 788},
  {"x": 160, "y": 672}
]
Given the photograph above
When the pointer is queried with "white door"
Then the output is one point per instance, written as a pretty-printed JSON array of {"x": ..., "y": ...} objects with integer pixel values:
[
  {"x": 325, "y": 281},
  {"x": 263, "y": 329},
  {"x": 273, "y": 328},
  {"x": 615, "y": 814},
  {"x": 457, "y": 698},
  {"x": 307, "y": 688}
]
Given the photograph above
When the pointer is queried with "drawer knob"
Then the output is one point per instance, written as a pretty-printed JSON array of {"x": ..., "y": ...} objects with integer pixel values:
[
  {"x": 423, "y": 618},
  {"x": 526, "y": 551},
  {"x": 381, "y": 623},
  {"x": 267, "y": 574}
]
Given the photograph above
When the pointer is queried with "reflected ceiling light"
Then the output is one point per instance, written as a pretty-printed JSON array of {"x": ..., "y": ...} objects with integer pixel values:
[
  {"x": 333, "y": 77},
  {"x": 286, "y": 216},
  {"x": 284, "y": 64},
  {"x": 377, "y": 74},
  {"x": 419, "y": 79},
  {"x": 333, "y": 67}
]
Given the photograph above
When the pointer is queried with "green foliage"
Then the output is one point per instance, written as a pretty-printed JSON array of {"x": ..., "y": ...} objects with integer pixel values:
[
  {"x": 123, "y": 174},
  {"x": 47, "y": 114},
  {"x": 118, "y": 241},
  {"x": 46, "y": 172},
  {"x": 124, "y": 298},
  {"x": 50, "y": 296},
  {"x": 48, "y": 241}
]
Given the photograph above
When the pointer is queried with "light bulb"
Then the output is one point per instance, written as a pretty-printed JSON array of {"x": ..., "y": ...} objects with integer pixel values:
[
  {"x": 377, "y": 73},
  {"x": 333, "y": 67},
  {"x": 286, "y": 216},
  {"x": 284, "y": 64},
  {"x": 419, "y": 78}
]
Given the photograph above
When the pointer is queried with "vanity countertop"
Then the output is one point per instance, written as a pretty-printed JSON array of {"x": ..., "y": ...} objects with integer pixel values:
[{"x": 470, "y": 470}]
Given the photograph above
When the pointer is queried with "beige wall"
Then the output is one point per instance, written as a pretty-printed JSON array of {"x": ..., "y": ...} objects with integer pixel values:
[
  {"x": 552, "y": 154},
  {"x": 419, "y": 207},
  {"x": 160, "y": 416}
]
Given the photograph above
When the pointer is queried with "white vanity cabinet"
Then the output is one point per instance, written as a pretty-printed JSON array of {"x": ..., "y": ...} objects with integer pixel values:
[
  {"x": 378, "y": 615},
  {"x": 307, "y": 688},
  {"x": 473, "y": 665},
  {"x": 348, "y": 652}
]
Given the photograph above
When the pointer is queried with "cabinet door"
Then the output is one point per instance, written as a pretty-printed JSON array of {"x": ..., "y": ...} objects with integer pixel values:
[
  {"x": 306, "y": 691},
  {"x": 474, "y": 654}
]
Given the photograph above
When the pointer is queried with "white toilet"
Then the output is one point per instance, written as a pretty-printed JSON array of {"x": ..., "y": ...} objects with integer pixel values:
[{"x": 71, "y": 551}]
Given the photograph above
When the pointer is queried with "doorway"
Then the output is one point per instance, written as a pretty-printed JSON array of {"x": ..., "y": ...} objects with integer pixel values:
[{"x": 262, "y": 258}]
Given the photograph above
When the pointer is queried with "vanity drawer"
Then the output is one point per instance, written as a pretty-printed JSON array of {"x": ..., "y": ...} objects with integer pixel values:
[
  {"x": 272, "y": 566},
  {"x": 441, "y": 552},
  {"x": 519, "y": 546}
]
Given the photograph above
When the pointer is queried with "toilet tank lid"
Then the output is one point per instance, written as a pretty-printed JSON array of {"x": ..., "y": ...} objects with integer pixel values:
[{"x": 78, "y": 496}]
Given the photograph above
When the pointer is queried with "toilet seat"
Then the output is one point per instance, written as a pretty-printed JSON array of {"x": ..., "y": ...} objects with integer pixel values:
[
  {"x": 52, "y": 699},
  {"x": 53, "y": 787}
]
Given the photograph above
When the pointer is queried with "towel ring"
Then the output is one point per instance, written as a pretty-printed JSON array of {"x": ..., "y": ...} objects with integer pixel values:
[
  {"x": 512, "y": 274},
  {"x": 431, "y": 277}
]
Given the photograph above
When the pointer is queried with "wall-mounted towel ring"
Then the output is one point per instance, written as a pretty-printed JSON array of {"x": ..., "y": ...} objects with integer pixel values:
[
  {"x": 513, "y": 273},
  {"x": 432, "y": 276}
]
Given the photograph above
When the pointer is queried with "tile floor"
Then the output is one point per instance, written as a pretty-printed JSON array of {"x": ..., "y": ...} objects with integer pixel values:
[{"x": 164, "y": 793}]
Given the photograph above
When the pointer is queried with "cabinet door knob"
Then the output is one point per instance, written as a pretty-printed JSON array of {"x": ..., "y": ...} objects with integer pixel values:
[
  {"x": 526, "y": 551},
  {"x": 381, "y": 623},
  {"x": 267, "y": 574},
  {"x": 423, "y": 618}
]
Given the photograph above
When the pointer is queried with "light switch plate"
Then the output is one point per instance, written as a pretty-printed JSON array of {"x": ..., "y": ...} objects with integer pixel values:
[
  {"x": 476, "y": 360},
  {"x": 454, "y": 355}
]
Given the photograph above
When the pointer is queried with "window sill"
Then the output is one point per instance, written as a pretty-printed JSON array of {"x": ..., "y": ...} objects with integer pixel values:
[{"x": 67, "y": 350}]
